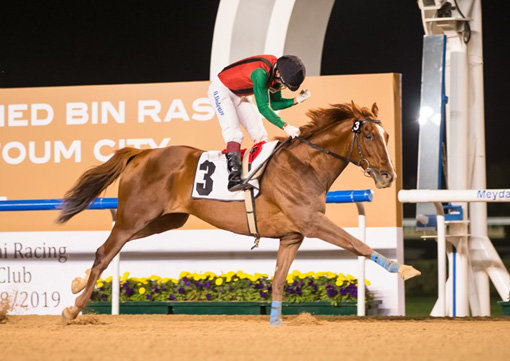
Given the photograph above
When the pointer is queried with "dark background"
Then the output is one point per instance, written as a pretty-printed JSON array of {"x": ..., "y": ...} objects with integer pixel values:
[{"x": 58, "y": 43}]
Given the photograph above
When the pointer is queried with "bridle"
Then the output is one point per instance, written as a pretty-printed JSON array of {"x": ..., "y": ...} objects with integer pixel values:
[{"x": 356, "y": 131}]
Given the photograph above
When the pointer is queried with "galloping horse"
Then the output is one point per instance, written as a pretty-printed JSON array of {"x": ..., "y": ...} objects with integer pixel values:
[{"x": 156, "y": 185}]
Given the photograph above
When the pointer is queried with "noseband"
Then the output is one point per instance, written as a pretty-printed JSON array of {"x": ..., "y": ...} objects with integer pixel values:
[{"x": 356, "y": 131}]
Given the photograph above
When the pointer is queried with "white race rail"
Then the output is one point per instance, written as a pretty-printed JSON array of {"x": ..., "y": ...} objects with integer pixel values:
[{"x": 438, "y": 197}]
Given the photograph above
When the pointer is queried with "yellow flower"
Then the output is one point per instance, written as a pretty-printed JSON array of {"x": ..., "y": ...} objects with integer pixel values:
[
  {"x": 125, "y": 276},
  {"x": 367, "y": 282},
  {"x": 109, "y": 279},
  {"x": 100, "y": 284},
  {"x": 242, "y": 275},
  {"x": 141, "y": 290},
  {"x": 351, "y": 277},
  {"x": 209, "y": 275},
  {"x": 155, "y": 277},
  {"x": 174, "y": 280},
  {"x": 290, "y": 279},
  {"x": 341, "y": 277},
  {"x": 219, "y": 281},
  {"x": 183, "y": 274},
  {"x": 339, "y": 281}
]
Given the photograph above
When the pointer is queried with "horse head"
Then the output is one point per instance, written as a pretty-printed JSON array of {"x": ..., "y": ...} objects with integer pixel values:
[
  {"x": 355, "y": 135},
  {"x": 371, "y": 151}
]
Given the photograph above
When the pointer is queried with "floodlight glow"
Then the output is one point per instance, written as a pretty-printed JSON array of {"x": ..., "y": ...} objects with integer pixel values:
[{"x": 425, "y": 113}]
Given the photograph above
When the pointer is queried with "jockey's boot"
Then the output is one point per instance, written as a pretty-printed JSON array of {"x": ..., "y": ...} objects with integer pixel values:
[{"x": 235, "y": 183}]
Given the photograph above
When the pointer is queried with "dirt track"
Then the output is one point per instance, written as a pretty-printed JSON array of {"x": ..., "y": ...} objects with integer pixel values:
[{"x": 303, "y": 337}]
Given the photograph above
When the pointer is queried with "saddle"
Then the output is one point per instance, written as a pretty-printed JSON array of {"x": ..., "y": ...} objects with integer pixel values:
[
  {"x": 211, "y": 178},
  {"x": 254, "y": 162}
]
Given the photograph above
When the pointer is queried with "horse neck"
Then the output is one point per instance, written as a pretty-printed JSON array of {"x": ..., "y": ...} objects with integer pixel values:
[{"x": 336, "y": 139}]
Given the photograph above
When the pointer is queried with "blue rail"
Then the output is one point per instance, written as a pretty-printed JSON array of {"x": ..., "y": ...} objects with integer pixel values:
[
  {"x": 350, "y": 196},
  {"x": 111, "y": 203},
  {"x": 52, "y": 204}
]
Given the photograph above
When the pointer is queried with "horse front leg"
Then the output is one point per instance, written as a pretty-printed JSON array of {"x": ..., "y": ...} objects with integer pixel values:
[
  {"x": 289, "y": 246},
  {"x": 319, "y": 226}
]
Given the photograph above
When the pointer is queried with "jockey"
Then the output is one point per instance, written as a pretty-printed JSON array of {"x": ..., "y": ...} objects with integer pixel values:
[{"x": 264, "y": 76}]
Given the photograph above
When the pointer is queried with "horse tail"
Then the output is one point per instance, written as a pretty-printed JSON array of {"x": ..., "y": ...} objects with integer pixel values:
[{"x": 93, "y": 182}]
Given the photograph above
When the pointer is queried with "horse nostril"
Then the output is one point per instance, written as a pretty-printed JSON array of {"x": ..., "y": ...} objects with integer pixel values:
[{"x": 387, "y": 176}]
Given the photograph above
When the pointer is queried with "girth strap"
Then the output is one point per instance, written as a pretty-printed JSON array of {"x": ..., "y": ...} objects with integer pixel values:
[{"x": 251, "y": 215}]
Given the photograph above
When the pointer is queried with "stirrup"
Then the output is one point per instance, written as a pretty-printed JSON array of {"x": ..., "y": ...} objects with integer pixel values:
[{"x": 240, "y": 187}]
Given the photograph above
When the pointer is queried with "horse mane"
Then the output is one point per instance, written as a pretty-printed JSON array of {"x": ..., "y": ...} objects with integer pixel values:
[{"x": 323, "y": 117}]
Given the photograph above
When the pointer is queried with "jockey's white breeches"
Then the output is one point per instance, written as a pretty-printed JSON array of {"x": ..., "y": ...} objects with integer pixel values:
[{"x": 232, "y": 111}]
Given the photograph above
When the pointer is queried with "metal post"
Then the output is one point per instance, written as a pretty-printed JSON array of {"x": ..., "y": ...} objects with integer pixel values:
[
  {"x": 361, "y": 260},
  {"x": 441, "y": 260},
  {"x": 115, "y": 276}
]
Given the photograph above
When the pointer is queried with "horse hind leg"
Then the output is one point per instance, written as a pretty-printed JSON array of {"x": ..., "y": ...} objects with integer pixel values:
[
  {"x": 108, "y": 250},
  {"x": 163, "y": 223},
  {"x": 104, "y": 256}
]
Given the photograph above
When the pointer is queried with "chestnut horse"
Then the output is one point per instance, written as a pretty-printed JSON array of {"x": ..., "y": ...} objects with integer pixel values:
[{"x": 156, "y": 184}]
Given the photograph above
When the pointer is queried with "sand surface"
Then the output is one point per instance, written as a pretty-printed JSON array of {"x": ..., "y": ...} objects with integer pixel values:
[{"x": 303, "y": 337}]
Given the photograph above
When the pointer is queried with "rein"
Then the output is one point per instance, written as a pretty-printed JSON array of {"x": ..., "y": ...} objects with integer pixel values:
[
  {"x": 356, "y": 131},
  {"x": 249, "y": 197}
]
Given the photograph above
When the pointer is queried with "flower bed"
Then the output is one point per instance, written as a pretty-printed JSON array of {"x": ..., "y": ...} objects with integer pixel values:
[{"x": 238, "y": 286}]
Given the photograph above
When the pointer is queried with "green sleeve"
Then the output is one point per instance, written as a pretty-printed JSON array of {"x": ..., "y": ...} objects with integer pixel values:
[
  {"x": 277, "y": 102},
  {"x": 259, "y": 78}
]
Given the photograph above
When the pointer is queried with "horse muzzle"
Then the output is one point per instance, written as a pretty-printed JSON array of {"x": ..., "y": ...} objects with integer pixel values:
[{"x": 382, "y": 179}]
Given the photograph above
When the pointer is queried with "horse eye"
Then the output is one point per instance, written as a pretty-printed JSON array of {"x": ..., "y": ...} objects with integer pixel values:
[{"x": 368, "y": 136}]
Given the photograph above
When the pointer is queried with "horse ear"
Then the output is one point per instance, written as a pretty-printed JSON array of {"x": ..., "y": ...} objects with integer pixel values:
[
  {"x": 375, "y": 110},
  {"x": 356, "y": 111}
]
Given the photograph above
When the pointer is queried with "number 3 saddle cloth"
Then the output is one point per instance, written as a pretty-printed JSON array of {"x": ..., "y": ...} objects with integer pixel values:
[{"x": 211, "y": 175}]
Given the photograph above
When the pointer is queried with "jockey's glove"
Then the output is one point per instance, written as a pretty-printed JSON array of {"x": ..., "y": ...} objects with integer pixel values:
[
  {"x": 291, "y": 130},
  {"x": 303, "y": 95}
]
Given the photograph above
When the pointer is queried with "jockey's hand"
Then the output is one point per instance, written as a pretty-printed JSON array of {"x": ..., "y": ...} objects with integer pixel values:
[
  {"x": 303, "y": 95},
  {"x": 291, "y": 130}
]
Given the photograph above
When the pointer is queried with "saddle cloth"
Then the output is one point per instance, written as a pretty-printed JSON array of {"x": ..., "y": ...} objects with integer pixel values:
[{"x": 211, "y": 175}]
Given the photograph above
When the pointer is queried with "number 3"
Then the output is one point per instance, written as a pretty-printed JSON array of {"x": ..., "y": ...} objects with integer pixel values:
[{"x": 205, "y": 188}]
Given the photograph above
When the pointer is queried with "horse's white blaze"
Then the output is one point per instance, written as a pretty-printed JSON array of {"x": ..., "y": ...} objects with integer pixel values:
[{"x": 381, "y": 133}]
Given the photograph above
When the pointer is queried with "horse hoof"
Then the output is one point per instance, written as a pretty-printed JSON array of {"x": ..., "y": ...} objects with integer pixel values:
[
  {"x": 69, "y": 314},
  {"x": 79, "y": 283},
  {"x": 407, "y": 272},
  {"x": 275, "y": 322}
]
